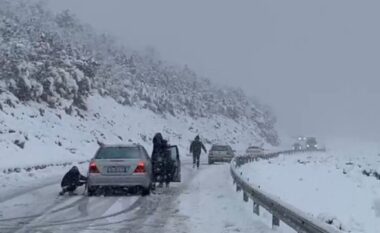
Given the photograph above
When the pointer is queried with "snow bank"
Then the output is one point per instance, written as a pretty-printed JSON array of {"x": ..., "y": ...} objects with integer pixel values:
[{"x": 332, "y": 188}]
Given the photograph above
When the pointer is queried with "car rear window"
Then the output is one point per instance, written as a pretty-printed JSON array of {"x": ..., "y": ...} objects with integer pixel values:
[
  {"x": 118, "y": 153},
  {"x": 220, "y": 148}
]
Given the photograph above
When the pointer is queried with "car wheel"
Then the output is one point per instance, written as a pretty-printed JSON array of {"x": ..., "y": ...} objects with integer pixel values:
[
  {"x": 146, "y": 191},
  {"x": 91, "y": 191},
  {"x": 153, "y": 186}
]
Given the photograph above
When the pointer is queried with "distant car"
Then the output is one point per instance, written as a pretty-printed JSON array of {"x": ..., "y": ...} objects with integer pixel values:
[
  {"x": 306, "y": 143},
  {"x": 297, "y": 146},
  {"x": 311, "y": 143},
  {"x": 254, "y": 150},
  {"x": 220, "y": 153},
  {"x": 120, "y": 166}
]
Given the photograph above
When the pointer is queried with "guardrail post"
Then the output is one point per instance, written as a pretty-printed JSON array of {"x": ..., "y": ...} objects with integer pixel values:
[
  {"x": 275, "y": 221},
  {"x": 238, "y": 188},
  {"x": 245, "y": 196},
  {"x": 256, "y": 208}
]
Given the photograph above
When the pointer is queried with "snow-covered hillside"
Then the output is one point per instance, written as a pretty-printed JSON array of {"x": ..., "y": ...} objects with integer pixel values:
[
  {"x": 57, "y": 64},
  {"x": 331, "y": 186},
  {"x": 51, "y": 135}
]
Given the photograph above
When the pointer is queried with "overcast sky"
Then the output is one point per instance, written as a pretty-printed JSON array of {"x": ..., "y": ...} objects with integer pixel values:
[{"x": 317, "y": 63}]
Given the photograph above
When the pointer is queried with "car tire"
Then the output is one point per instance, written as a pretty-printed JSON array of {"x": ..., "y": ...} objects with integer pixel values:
[
  {"x": 146, "y": 191},
  {"x": 210, "y": 162},
  {"x": 153, "y": 186},
  {"x": 91, "y": 191}
]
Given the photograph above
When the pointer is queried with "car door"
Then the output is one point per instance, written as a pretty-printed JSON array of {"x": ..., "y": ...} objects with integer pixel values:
[{"x": 174, "y": 156}]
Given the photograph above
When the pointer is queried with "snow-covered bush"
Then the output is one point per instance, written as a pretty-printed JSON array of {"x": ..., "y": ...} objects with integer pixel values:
[{"x": 59, "y": 60}]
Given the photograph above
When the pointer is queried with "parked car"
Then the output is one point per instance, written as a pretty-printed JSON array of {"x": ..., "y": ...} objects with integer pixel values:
[
  {"x": 252, "y": 150},
  {"x": 126, "y": 167},
  {"x": 120, "y": 167},
  {"x": 173, "y": 153},
  {"x": 220, "y": 153}
]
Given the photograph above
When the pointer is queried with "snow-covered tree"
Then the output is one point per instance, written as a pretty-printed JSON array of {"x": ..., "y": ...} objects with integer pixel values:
[{"x": 59, "y": 60}]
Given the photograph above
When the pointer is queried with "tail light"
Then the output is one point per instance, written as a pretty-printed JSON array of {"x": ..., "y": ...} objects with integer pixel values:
[
  {"x": 93, "y": 168},
  {"x": 140, "y": 168}
]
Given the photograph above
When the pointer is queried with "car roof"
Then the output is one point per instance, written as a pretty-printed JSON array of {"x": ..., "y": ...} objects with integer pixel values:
[
  {"x": 122, "y": 145},
  {"x": 220, "y": 145}
]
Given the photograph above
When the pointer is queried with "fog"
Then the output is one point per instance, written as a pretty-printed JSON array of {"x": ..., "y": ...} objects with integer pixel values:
[{"x": 316, "y": 63}]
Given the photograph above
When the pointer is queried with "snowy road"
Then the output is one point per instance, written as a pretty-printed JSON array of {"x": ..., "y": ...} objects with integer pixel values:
[{"x": 203, "y": 202}]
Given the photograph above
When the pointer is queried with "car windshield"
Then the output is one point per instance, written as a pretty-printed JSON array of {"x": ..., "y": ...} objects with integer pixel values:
[
  {"x": 118, "y": 153},
  {"x": 219, "y": 148}
]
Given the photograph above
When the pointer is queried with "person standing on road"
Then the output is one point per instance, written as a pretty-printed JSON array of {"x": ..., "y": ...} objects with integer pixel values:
[
  {"x": 161, "y": 162},
  {"x": 196, "y": 149}
]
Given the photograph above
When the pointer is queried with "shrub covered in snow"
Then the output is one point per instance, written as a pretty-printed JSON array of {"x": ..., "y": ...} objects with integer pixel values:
[{"x": 56, "y": 59}]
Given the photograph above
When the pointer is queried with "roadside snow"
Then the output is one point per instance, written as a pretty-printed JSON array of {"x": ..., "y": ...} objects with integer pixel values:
[
  {"x": 210, "y": 204},
  {"x": 51, "y": 135},
  {"x": 22, "y": 182},
  {"x": 332, "y": 188},
  {"x": 32, "y": 135}
]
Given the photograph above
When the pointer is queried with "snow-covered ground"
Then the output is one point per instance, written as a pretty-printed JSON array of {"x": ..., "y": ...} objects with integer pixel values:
[
  {"x": 52, "y": 136},
  {"x": 32, "y": 135},
  {"x": 210, "y": 204},
  {"x": 329, "y": 185},
  {"x": 204, "y": 202}
]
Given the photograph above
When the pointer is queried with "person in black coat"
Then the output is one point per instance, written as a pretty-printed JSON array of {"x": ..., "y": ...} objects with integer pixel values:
[
  {"x": 161, "y": 162},
  {"x": 71, "y": 180},
  {"x": 159, "y": 144}
]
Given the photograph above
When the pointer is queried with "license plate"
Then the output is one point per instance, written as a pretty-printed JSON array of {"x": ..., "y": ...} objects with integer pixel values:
[{"x": 116, "y": 169}]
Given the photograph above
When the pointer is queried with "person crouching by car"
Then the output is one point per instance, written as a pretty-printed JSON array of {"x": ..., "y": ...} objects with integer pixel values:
[{"x": 71, "y": 180}]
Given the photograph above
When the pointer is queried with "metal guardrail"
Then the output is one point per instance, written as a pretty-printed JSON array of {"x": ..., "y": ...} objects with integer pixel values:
[
  {"x": 39, "y": 167},
  {"x": 296, "y": 219}
]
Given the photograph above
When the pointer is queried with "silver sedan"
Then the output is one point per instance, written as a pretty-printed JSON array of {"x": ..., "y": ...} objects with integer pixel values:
[{"x": 120, "y": 167}]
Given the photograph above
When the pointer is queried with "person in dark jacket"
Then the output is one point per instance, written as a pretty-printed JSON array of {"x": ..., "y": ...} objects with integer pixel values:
[
  {"x": 71, "y": 180},
  {"x": 159, "y": 144},
  {"x": 161, "y": 163},
  {"x": 196, "y": 149}
]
